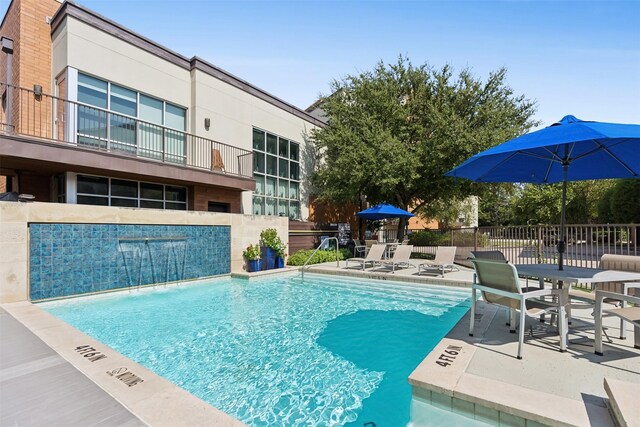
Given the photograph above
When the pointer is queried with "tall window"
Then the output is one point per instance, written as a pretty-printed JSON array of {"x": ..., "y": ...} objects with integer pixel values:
[
  {"x": 103, "y": 191},
  {"x": 158, "y": 133},
  {"x": 276, "y": 169}
]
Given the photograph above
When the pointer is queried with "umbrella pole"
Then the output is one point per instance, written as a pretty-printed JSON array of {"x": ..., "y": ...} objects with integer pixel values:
[{"x": 563, "y": 216}]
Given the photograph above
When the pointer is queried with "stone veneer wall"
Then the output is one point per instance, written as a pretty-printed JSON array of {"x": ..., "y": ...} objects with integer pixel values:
[{"x": 16, "y": 219}]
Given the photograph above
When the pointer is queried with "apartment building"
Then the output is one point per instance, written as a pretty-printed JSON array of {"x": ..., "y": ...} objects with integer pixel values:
[{"x": 94, "y": 113}]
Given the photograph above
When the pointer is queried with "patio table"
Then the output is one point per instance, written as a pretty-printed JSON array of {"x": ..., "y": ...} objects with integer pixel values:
[{"x": 574, "y": 275}]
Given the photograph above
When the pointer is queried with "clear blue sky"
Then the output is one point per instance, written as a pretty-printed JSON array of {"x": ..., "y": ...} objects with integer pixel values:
[{"x": 572, "y": 57}]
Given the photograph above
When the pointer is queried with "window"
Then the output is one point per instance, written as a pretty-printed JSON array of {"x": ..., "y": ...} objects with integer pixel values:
[
  {"x": 219, "y": 207},
  {"x": 97, "y": 190},
  {"x": 112, "y": 123},
  {"x": 276, "y": 170},
  {"x": 60, "y": 184}
]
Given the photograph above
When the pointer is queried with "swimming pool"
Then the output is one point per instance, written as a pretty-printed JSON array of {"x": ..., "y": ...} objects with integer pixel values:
[{"x": 279, "y": 351}]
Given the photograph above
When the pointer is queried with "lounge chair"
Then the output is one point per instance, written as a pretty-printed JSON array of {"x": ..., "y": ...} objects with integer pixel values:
[
  {"x": 400, "y": 258},
  {"x": 374, "y": 255},
  {"x": 370, "y": 242},
  {"x": 499, "y": 284},
  {"x": 445, "y": 255},
  {"x": 629, "y": 314}
]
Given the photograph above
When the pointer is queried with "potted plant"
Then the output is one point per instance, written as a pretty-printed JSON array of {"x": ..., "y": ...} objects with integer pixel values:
[
  {"x": 252, "y": 254},
  {"x": 268, "y": 242},
  {"x": 281, "y": 252}
]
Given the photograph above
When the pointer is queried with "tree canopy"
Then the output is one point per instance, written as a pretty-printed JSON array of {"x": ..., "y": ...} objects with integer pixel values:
[
  {"x": 587, "y": 202},
  {"x": 394, "y": 131}
]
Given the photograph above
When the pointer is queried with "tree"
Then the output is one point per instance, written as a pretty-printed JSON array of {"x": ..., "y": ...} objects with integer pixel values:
[
  {"x": 394, "y": 131},
  {"x": 625, "y": 201},
  {"x": 494, "y": 206},
  {"x": 605, "y": 214},
  {"x": 542, "y": 203},
  {"x": 538, "y": 204}
]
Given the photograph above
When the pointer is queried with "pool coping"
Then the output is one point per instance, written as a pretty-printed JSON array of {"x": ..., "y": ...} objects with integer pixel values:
[
  {"x": 442, "y": 378},
  {"x": 385, "y": 276},
  {"x": 153, "y": 399}
]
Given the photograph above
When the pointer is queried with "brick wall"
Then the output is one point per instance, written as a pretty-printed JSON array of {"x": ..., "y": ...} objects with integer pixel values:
[
  {"x": 202, "y": 195},
  {"x": 25, "y": 23}
]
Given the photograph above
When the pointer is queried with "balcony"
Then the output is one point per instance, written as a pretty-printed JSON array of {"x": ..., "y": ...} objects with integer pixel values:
[{"x": 54, "y": 120}]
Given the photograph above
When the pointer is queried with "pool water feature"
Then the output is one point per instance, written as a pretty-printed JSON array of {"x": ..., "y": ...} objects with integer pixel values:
[{"x": 279, "y": 351}]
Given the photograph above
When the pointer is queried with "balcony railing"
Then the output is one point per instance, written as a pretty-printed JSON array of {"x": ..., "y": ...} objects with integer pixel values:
[{"x": 56, "y": 120}]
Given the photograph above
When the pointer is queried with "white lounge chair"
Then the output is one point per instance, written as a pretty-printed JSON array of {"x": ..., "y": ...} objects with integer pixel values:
[
  {"x": 629, "y": 314},
  {"x": 400, "y": 258},
  {"x": 374, "y": 255},
  {"x": 498, "y": 282},
  {"x": 445, "y": 255}
]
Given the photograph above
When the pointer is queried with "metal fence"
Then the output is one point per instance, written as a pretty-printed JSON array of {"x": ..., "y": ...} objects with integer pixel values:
[
  {"x": 522, "y": 244},
  {"x": 56, "y": 120}
]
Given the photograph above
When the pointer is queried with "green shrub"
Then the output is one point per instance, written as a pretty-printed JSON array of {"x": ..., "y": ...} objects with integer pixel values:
[
  {"x": 421, "y": 255},
  {"x": 467, "y": 239},
  {"x": 300, "y": 257},
  {"x": 269, "y": 238},
  {"x": 429, "y": 238}
]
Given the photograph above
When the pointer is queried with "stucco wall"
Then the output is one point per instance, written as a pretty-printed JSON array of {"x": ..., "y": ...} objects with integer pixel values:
[
  {"x": 95, "y": 52},
  {"x": 14, "y": 235},
  {"x": 234, "y": 113}
]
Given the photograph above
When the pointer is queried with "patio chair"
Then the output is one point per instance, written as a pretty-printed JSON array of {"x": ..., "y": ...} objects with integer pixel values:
[
  {"x": 498, "y": 256},
  {"x": 612, "y": 262},
  {"x": 498, "y": 282},
  {"x": 629, "y": 314},
  {"x": 445, "y": 255},
  {"x": 400, "y": 258},
  {"x": 359, "y": 249},
  {"x": 374, "y": 255},
  {"x": 494, "y": 255},
  {"x": 217, "y": 163}
]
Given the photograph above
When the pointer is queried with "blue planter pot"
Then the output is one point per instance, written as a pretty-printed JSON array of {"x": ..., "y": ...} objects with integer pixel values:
[
  {"x": 268, "y": 258},
  {"x": 253, "y": 265},
  {"x": 279, "y": 262}
]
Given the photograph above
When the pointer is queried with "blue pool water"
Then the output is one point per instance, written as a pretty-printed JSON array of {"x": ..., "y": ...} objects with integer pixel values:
[{"x": 278, "y": 351}]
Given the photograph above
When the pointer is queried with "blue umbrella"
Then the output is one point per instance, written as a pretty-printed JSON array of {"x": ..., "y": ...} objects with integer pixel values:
[
  {"x": 383, "y": 211},
  {"x": 570, "y": 150}
]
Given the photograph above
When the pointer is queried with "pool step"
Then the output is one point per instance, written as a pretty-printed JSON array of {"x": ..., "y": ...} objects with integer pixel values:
[{"x": 623, "y": 402}]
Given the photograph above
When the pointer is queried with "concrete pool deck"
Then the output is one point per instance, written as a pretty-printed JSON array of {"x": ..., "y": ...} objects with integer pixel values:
[
  {"x": 485, "y": 380},
  {"x": 128, "y": 387},
  {"x": 34, "y": 378}
]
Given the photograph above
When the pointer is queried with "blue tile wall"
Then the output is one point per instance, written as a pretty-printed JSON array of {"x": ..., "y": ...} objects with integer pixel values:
[{"x": 72, "y": 259}]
